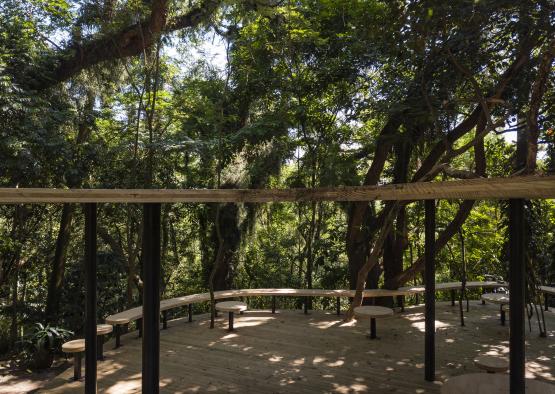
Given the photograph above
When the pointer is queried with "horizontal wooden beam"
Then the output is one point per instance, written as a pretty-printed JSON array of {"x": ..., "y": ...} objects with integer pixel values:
[{"x": 529, "y": 187}]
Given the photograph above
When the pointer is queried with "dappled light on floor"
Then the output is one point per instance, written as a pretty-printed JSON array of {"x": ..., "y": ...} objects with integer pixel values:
[
  {"x": 290, "y": 352},
  {"x": 132, "y": 384}
]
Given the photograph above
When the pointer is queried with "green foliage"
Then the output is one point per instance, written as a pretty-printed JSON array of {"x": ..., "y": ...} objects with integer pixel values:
[
  {"x": 43, "y": 338},
  {"x": 307, "y": 91}
]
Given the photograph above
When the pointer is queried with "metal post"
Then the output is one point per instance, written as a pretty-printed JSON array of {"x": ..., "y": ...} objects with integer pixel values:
[
  {"x": 100, "y": 348},
  {"x": 117, "y": 328},
  {"x": 273, "y": 304},
  {"x": 190, "y": 311},
  {"x": 151, "y": 298},
  {"x": 77, "y": 367},
  {"x": 230, "y": 329},
  {"x": 338, "y": 305},
  {"x": 372, "y": 328},
  {"x": 517, "y": 274},
  {"x": 306, "y": 305},
  {"x": 90, "y": 299},
  {"x": 429, "y": 253}
]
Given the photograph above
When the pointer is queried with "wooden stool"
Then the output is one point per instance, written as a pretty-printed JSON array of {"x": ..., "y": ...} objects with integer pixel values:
[
  {"x": 500, "y": 299},
  {"x": 373, "y": 312},
  {"x": 231, "y": 307},
  {"x": 77, "y": 347},
  {"x": 491, "y": 364},
  {"x": 101, "y": 330},
  {"x": 481, "y": 383}
]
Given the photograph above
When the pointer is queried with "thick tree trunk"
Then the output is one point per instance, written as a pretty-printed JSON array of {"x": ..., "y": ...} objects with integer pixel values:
[
  {"x": 57, "y": 268},
  {"x": 223, "y": 264},
  {"x": 14, "y": 311}
]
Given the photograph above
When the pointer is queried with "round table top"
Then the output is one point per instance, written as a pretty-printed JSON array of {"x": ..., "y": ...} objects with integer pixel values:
[
  {"x": 75, "y": 346},
  {"x": 485, "y": 383},
  {"x": 492, "y": 363},
  {"x": 103, "y": 329},
  {"x": 231, "y": 306},
  {"x": 373, "y": 311},
  {"x": 496, "y": 298}
]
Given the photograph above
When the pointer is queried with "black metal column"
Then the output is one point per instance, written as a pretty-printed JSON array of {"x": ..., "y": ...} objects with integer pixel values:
[
  {"x": 90, "y": 298},
  {"x": 429, "y": 253},
  {"x": 151, "y": 298},
  {"x": 517, "y": 288}
]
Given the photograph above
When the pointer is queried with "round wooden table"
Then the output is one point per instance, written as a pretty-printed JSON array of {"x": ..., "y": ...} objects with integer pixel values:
[
  {"x": 482, "y": 383},
  {"x": 231, "y": 307},
  {"x": 491, "y": 364},
  {"x": 373, "y": 312},
  {"x": 75, "y": 347},
  {"x": 498, "y": 298},
  {"x": 101, "y": 330}
]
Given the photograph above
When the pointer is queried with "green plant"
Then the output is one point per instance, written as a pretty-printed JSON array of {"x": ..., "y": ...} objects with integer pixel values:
[{"x": 39, "y": 347}]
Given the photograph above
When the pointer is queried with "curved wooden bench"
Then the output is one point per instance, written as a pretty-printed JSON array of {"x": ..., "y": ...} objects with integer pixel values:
[
  {"x": 454, "y": 286},
  {"x": 547, "y": 291},
  {"x": 77, "y": 348},
  {"x": 136, "y": 314}
]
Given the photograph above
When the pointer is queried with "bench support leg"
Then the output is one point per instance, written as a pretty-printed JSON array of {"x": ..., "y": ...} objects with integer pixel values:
[
  {"x": 452, "y": 297},
  {"x": 372, "y": 328},
  {"x": 190, "y": 312},
  {"x": 306, "y": 305},
  {"x": 117, "y": 328},
  {"x": 545, "y": 296},
  {"x": 338, "y": 306},
  {"x": 77, "y": 366},
  {"x": 401, "y": 302},
  {"x": 502, "y": 316},
  {"x": 140, "y": 327},
  {"x": 416, "y": 299},
  {"x": 230, "y": 328},
  {"x": 164, "y": 320},
  {"x": 273, "y": 304},
  {"x": 483, "y": 292},
  {"x": 100, "y": 348}
]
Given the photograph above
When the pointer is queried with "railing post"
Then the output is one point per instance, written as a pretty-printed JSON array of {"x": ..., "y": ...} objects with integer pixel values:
[
  {"x": 90, "y": 298},
  {"x": 151, "y": 298},
  {"x": 429, "y": 253},
  {"x": 517, "y": 279}
]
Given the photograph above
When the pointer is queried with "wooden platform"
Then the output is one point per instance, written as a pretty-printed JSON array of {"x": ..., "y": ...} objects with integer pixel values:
[{"x": 293, "y": 353}]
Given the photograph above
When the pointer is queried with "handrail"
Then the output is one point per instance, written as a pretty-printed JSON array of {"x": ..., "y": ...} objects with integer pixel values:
[{"x": 530, "y": 186}]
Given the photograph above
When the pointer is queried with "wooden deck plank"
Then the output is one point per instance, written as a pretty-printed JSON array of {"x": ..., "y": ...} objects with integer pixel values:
[{"x": 292, "y": 353}]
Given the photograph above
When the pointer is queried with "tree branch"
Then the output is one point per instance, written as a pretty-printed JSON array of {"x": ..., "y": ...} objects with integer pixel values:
[{"x": 127, "y": 42}]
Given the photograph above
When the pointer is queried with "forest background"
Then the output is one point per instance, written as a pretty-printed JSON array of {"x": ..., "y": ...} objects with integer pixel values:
[{"x": 266, "y": 94}]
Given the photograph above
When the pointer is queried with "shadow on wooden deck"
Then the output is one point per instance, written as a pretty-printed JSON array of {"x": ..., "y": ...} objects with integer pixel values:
[{"x": 293, "y": 353}]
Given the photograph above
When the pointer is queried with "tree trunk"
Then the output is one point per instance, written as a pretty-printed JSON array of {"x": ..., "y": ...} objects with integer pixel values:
[
  {"x": 57, "y": 268},
  {"x": 14, "y": 325}
]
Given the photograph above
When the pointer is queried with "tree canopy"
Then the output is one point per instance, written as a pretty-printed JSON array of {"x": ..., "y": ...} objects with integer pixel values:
[{"x": 258, "y": 94}]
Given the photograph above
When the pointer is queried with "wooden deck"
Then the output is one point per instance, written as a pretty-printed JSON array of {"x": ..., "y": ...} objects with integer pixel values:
[{"x": 293, "y": 353}]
